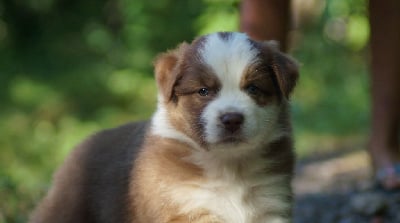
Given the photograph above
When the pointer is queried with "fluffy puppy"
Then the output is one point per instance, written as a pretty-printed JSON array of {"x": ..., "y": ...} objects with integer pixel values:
[{"x": 218, "y": 148}]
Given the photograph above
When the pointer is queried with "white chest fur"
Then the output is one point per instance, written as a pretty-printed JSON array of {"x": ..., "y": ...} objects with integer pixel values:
[{"x": 239, "y": 194}]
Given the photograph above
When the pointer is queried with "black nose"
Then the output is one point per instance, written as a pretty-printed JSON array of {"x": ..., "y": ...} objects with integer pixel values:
[{"x": 232, "y": 121}]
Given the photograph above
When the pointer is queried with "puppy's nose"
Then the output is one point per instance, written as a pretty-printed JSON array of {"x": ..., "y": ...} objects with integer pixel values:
[{"x": 232, "y": 121}]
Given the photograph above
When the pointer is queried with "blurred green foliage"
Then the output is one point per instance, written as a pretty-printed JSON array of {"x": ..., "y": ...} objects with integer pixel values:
[{"x": 69, "y": 68}]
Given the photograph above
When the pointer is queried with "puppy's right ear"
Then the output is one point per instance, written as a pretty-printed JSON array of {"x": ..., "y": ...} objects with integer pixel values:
[{"x": 166, "y": 68}]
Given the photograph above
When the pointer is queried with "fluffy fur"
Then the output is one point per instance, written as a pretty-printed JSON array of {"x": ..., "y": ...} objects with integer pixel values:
[{"x": 218, "y": 148}]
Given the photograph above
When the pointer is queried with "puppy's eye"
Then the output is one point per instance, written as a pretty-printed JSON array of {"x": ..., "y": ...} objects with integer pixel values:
[
  {"x": 203, "y": 92},
  {"x": 252, "y": 89}
]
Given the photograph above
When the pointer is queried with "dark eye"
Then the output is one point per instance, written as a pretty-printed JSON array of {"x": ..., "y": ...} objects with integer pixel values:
[
  {"x": 203, "y": 92},
  {"x": 252, "y": 89}
]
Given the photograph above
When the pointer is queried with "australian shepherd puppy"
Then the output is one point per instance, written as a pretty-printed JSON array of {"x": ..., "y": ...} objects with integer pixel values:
[{"x": 218, "y": 148}]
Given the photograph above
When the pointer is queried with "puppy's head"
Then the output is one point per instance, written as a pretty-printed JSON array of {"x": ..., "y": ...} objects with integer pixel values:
[{"x": 224, "y": 90}]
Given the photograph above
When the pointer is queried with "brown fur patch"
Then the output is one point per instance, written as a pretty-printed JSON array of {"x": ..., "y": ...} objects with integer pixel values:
[
  {"x": 260, "y": 76},
  {"x": 158, "y": 169},
  {"x": 165, "y": 69},
  {"x": 284, "y": 68},
  {"x": 191, "y": 76}
]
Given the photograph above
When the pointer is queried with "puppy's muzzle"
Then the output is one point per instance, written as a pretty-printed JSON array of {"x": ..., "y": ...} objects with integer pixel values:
[{"x": 232, "y": 121}]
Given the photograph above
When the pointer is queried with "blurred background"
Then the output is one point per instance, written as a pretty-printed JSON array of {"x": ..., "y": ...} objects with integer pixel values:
[{"x": 69, "y": 68}]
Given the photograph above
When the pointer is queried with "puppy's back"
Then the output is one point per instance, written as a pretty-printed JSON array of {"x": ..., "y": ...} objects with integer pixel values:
[{"x": 92, "y": 184}]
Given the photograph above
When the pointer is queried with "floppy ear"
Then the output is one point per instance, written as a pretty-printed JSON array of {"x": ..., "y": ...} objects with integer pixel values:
[
  {"x": 285, "y": 70},
  {"x": 166, "y": 70}
]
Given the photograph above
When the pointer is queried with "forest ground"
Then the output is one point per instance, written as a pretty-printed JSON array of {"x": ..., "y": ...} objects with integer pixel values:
[{"x": 339, "y": 188}]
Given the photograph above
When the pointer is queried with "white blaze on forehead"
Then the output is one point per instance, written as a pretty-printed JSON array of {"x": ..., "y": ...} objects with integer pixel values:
[{"x": 229, "y": 57}]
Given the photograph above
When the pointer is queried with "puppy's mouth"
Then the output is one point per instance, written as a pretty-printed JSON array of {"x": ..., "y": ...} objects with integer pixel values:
[{"x": 232, "y": 138}]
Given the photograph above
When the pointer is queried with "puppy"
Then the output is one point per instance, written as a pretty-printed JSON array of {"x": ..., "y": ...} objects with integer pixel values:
[{"x": 218, "y": 148}]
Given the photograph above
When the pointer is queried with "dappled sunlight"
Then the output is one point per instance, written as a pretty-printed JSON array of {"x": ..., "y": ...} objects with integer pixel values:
[
  {"x": 98, "y": 38},
  {"x": 218, "y": 16},
  {"x": 348, "y": 24},
  {"x": 25, "y": 92}
]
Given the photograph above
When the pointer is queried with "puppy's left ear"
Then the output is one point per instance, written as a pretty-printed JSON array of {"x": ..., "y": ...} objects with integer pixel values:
[
  {"x": 167, "y": 72},
  {"x": 284, "y": 68}
]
